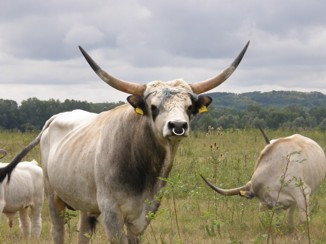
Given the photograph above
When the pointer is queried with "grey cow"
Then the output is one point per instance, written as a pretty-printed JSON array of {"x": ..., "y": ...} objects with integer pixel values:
[{"x": 287, "y": 171}]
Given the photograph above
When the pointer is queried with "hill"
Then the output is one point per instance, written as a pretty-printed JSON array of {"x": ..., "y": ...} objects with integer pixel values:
[{"x": 275, "y": 99}]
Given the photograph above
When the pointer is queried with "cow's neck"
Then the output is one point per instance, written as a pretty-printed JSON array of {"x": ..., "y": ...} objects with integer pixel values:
[
  {"x": 154, "y": 200},
  {"x": 171, "y": 149},
  {"x": 166, "y": 147},
  {"x": 149, "y": 157}
]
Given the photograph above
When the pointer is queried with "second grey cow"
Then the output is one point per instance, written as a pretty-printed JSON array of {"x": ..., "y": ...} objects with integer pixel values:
[{"x": 287, "y": 171}]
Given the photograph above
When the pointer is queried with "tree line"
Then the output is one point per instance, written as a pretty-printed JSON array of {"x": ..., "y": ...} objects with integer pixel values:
[
  {"x": 277, "y": 109},
  {"x": 32, "y": 113},
  {"x": 291, "y": 117}
]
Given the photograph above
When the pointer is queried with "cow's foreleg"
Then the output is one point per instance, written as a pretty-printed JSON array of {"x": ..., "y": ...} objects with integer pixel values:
[
  {"x": 135, "y": 229},
  {"x": 113, "y": 222},
  {"x": 137, "y": 226},
  {"x": 132, "y": 239},
  {"x": 85, "y": 228}
]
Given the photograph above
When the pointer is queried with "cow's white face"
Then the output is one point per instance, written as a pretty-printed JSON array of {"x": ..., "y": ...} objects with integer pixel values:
[{"x": 169, "y": 106}]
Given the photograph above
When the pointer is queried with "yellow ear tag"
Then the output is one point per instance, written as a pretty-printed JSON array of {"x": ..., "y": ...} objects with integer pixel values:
[
  {"x": 242, "y": 193},
  {"x": 202, "y": 109},
  {"x": 139, "y": 111}
]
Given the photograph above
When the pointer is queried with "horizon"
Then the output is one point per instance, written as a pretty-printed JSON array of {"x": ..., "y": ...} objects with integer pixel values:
[{"x": 120, "y": 101}]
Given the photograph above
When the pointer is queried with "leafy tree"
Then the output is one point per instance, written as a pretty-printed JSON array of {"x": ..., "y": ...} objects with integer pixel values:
[
  {"x": 8, "y": 114},
  {"x": 32, "y": 113},
  {"x": 275, "y": 118}
]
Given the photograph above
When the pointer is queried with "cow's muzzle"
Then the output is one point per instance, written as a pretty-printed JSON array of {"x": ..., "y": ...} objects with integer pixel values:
[{"x": 178, "y": 128}]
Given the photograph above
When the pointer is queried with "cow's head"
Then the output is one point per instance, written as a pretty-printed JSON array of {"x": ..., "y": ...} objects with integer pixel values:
[{"x": 169, "y": 105}]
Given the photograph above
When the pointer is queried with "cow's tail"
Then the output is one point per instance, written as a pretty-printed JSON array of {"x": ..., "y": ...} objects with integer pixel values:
[{"x": 6, "y": 171}]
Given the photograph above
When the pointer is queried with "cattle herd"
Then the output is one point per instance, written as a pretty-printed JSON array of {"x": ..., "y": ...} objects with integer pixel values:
[{"x": 111, "y": 164}]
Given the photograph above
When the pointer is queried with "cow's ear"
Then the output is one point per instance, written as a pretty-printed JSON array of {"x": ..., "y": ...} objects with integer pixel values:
[
  {"x": 201, "y": 104},
  {"x": 138, "y": 103}
]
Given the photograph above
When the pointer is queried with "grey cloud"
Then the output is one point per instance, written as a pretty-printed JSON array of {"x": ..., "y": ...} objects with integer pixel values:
[{"x": 145, "y": 40}]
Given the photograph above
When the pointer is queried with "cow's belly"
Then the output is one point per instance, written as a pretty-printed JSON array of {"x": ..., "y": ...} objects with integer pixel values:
[
  {"x": 73, "y": 182},
  {"x": 15, "y": 201},
  {"x": 74, "y": 191}
]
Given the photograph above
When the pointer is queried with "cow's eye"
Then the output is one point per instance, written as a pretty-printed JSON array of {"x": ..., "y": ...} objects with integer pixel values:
[
  {"x": 190, "y": 110},
  {"x": 155, "y": 111},
  {"x": 154, "y": 108}
]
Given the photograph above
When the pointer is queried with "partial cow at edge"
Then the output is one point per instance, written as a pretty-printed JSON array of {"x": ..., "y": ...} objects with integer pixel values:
[
  {"x": 112, "y": 164},
  {"x": 287, "y": 171},
  {"x": 24, "y": 192}
]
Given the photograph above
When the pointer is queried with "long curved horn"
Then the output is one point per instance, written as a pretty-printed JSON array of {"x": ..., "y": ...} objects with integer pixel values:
[
  {"x": 124, "y": 86},
  {"x": 203, "y": 86},
  {"x": 3, "y": 152},
  {"x": 229, "y": 192}
]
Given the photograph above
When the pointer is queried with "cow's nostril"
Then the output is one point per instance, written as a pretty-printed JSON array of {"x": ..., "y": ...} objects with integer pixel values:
[
  {"x": 170, "y": 125},
  {"x": 178, "y": 128}
]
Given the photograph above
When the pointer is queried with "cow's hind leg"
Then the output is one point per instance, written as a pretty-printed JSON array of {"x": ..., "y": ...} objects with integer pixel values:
[
  {"x": 25, "y": 222},
  {"x": 303, "y": 206},
  {"x": 36, "y": 220},
  {"x": 86, "y": 227},
  {"x": 290, "y": 217},
  {"x": 302, "y": 201},
  {"x": 301, "y": 194},
  {"x": 10, "y": 217},
  {"x": 57, "y": 211}
]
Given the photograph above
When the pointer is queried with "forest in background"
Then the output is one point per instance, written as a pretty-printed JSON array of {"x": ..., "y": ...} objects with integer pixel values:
[{"x": 276, "y": 109}]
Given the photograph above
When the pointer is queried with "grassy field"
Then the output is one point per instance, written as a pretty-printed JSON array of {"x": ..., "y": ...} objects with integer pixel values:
[{"x": 190, "y": 211}]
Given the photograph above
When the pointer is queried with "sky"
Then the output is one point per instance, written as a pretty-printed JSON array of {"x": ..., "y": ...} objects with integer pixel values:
[{"x": 146, "y": 40}]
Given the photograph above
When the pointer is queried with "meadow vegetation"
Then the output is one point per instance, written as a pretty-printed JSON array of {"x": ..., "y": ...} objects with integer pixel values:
[{"x": 190, "y": 211}]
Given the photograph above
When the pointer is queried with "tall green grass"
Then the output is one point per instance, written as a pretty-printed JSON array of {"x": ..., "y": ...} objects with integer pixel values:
[{"x": 190, "y": 211}]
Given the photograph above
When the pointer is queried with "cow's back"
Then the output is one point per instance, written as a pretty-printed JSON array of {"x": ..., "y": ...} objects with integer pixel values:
[
  {"x": 313, "y": 161},
  {"x": 64, "y": 123},
  {"x": 61, "y": 126},
  {"x": 296, "y": 156}
]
